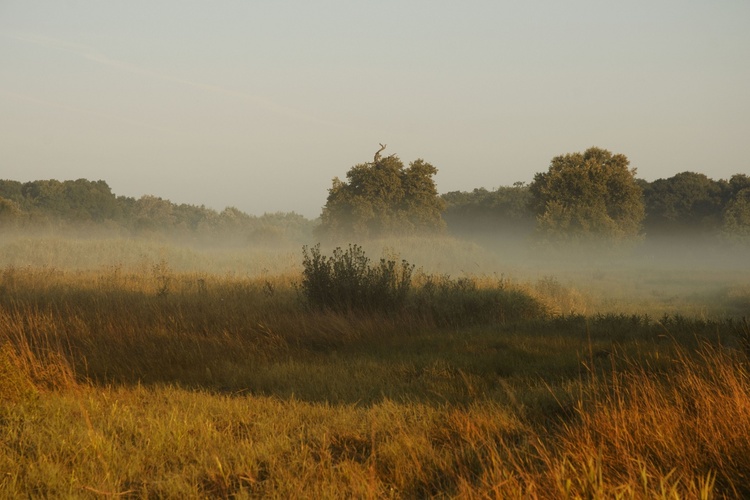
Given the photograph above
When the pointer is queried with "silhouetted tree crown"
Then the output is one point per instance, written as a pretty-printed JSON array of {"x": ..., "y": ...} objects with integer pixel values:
[
  {"x": 588, "y": 195},
  {"x": 685, "y": 202},
  {"x": 501, "y": 212},
  {"x": 383, "y": 198}
]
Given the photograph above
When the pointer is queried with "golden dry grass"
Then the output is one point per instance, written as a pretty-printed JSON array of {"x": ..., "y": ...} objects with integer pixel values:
[
  {"x": 679, "y": 435},
  {"x": 149, "y": 381}
]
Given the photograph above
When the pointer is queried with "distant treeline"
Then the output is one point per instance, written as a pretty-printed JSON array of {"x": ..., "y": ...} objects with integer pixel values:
[
  {"x": 686, "y": 204},
  {"x": 92, "y": 205}
]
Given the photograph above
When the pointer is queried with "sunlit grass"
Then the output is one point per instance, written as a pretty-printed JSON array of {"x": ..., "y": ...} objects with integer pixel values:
[
  {"x": 681, "y": 434},
  {"x": 148, "y": 377}
]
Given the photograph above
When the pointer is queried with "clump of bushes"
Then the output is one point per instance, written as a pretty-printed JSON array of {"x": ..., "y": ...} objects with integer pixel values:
[{"x": 347, "y": 281}]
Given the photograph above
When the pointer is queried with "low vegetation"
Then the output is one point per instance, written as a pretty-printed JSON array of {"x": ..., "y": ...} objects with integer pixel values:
[
  {"x": 149, "y": 377},
  {"x": 346, "y": 281}
]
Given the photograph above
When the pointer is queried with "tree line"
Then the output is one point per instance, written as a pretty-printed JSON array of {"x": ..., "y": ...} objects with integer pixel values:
[
  {"x": 593, "y": 194},
  {"x": 92, "y": 205},
  {"x": 687, "y": 204},
  {"x": 582, "y": 196}
]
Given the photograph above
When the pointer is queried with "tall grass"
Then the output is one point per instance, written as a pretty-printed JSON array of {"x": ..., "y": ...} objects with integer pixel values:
[
  {"x": 683, "y": 431},
  {"x": 195, "y": 328},
  {"x": 150, "y": 380},
  {"x": 683, "y": 434}
]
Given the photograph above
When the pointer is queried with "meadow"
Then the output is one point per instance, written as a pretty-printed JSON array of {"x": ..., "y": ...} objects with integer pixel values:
[{"x": 143, "y": 368}]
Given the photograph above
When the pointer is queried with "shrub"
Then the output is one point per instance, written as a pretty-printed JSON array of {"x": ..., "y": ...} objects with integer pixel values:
[{"x": 347, "y": 281}]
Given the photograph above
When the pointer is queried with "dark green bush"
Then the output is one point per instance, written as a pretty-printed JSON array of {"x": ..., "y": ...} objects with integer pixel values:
[{"x": 347, "y": 281}]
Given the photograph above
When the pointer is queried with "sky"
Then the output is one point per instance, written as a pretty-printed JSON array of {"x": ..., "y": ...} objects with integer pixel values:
[{"x": 259, "y": 104}]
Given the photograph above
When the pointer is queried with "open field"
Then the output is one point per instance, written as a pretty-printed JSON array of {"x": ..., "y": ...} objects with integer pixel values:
[{"x": 146, "y": 369}]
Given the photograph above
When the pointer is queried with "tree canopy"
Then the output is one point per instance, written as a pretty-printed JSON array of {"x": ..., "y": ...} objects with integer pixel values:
[
  {"x": 592, "y": 194},
  {"x": 89, "y": 204},
  {"x": 9, "y": 212},
  {"x": 736, "y": 222},
  {"x": 383, "y": 198},
  {"x": 501, "y": 212},
  {"x": 588, "y": 195},
  {"x": 685, "y": 202}
]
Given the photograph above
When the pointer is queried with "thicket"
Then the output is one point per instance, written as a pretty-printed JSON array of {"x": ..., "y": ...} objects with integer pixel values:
[
  {"x": 346, "y": 280},
  {"x": 349, "y": 281}
]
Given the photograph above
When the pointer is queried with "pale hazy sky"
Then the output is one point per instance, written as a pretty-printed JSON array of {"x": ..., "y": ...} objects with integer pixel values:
[{"x": 259, "y": 104}]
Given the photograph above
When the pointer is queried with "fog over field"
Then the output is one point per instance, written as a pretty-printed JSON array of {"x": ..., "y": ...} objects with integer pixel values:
[
  {"x": 392, "y": 249},
  {"x": 669, "y": 276},
  {"x": 186, "y": 140}
]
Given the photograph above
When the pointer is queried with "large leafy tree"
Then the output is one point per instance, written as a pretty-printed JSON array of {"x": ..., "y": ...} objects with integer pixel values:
[
  {"x": 588, "y": 195},
  {"x": 383, "y": 198}
]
